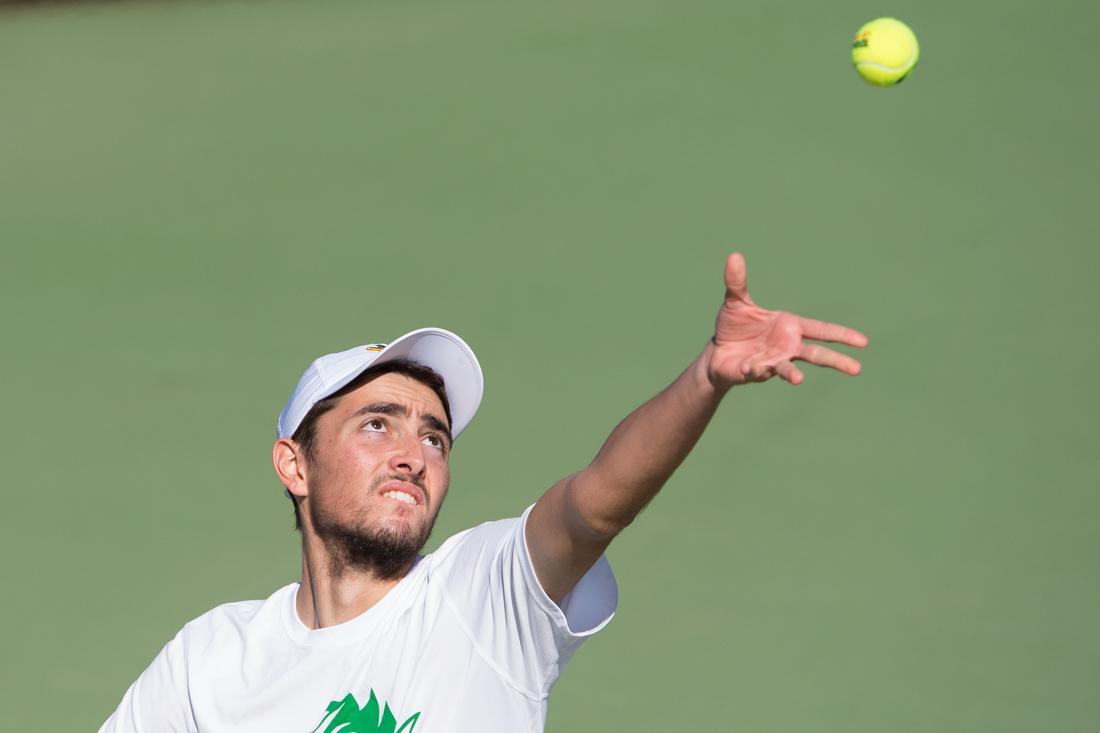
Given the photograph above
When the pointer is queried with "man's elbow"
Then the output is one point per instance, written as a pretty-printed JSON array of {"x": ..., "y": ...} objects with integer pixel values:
[
  {"x": 596, "y": 516},
  {"x": 604, "y": 528}
]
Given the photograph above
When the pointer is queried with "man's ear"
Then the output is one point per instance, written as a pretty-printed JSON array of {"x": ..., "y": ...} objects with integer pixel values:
[{"x": 290, "y": 465}]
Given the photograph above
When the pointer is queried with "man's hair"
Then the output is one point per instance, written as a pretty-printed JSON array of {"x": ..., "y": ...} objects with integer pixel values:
[{"x": 306, "y": 434}]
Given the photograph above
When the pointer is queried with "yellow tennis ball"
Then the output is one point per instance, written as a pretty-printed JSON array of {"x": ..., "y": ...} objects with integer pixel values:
[{"x": 884, "y": 51}]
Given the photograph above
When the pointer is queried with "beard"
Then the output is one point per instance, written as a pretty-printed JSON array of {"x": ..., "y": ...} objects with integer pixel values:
[{"x": 382, "y": 551}]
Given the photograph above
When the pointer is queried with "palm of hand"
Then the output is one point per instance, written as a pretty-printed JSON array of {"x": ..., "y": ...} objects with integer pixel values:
[
  {"x": 753, "y": 344},
  {"x": 751, "y": 341}
]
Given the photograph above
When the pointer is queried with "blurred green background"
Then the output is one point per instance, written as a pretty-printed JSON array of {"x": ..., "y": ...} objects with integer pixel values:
[{"x": 198, "y": 198}]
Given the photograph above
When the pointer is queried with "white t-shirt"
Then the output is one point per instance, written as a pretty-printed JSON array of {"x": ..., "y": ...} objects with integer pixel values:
[{"x": 467, "y": 641}]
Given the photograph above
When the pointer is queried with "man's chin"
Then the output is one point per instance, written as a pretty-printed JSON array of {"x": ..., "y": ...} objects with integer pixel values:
[
  {"x": 403, "y": 522},
  {"x": 385, "y": 550},
  {"x": 398, "y": 533}
]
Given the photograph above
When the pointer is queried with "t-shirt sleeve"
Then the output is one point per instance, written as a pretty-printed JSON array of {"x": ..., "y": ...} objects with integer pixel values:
[
  {"x": 491, "y": 585},
  {"x": 158, "y": 700}
]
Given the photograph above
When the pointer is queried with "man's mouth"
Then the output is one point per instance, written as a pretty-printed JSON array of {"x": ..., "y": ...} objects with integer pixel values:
[
  {"x": 405, "y": 493},
  {"x": 400, "y": 496}
]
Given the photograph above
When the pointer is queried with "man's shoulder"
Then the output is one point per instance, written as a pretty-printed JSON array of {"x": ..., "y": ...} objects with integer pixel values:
[
  {"x": 237, "y": 616},
  {"x": 481, "y": 540}
]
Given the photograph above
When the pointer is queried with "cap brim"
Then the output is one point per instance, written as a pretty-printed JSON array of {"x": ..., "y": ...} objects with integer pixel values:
[{"x": 450, "y": 357}]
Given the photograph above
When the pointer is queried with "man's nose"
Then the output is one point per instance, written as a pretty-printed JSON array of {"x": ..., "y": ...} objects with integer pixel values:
[{"x": 409, "y": 457}]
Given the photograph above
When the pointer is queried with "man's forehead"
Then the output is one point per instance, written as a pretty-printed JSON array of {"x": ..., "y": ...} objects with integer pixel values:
[{"x": 396, "y": 388}]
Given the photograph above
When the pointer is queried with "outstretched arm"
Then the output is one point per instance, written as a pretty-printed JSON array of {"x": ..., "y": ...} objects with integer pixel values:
[{"x": 574, "y": 522}]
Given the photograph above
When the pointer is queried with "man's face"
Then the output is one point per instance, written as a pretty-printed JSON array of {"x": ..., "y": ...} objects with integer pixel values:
[{"x": 379, "y": 473}]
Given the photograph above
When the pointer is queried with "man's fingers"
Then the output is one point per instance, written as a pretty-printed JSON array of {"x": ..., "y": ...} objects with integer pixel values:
[
  {"x": 826, "y": 357},
  {"x": 761, "y": 369},
  {"x": 737, "y": 277},
  {"x": 789, "y": 371},
  {"x": 822, "y": 331},
  {"x": 757, "y": 369}
]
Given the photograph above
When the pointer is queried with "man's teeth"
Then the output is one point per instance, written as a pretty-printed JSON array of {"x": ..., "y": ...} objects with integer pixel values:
[{"x": 399, "y": 496}]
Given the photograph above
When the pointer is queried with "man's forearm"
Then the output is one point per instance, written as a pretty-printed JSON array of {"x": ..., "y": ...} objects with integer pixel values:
[
  {"x": 577, "y": 518},
  {"x": 644, "y": 450}
]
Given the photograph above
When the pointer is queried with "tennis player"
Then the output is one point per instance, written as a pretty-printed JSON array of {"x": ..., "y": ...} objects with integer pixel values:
[{"x": 375, "y": 637}]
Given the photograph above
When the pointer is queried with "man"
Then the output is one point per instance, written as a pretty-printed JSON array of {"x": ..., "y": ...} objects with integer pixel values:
[{"x": 472, "y": 637}]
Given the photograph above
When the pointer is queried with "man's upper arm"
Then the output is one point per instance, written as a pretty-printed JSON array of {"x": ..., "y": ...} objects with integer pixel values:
[{"x": 562, "y": 544}]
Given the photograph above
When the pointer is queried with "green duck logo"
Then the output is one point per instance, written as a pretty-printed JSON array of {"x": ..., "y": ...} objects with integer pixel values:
[{"x": 345, "y": 716}]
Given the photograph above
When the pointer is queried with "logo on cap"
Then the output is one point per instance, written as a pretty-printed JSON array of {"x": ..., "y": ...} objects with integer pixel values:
[{"x": 374, "y": 347}]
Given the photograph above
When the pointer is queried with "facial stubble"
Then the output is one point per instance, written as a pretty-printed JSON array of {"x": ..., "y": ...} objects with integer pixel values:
[{"x": 366, "y": 546}]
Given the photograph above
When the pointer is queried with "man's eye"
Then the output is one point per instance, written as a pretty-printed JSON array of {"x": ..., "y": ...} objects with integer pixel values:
[
  {"x": 375, "y": 425},
  {"x": 433, "y": 441}
]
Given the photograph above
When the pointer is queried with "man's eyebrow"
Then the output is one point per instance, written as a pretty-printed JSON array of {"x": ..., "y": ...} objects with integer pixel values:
[
  {"x": 392, "y": 408},
  {"x": 437, "y": 425},
  {"x": 381, "y": 408}
]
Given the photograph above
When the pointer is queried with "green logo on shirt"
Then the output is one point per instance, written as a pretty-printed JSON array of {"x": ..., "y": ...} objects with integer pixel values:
[{"x": 345, "y": 716}]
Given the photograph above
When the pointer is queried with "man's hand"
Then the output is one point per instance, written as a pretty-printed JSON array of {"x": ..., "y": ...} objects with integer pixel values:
[{"x": 753, "y": 344}]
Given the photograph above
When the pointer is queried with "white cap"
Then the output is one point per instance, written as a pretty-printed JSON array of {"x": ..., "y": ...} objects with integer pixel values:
[{"x": 441, "y": 351}]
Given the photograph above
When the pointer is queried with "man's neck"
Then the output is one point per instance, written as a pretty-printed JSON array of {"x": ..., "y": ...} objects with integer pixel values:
[{"x": 329, "y": 596}]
